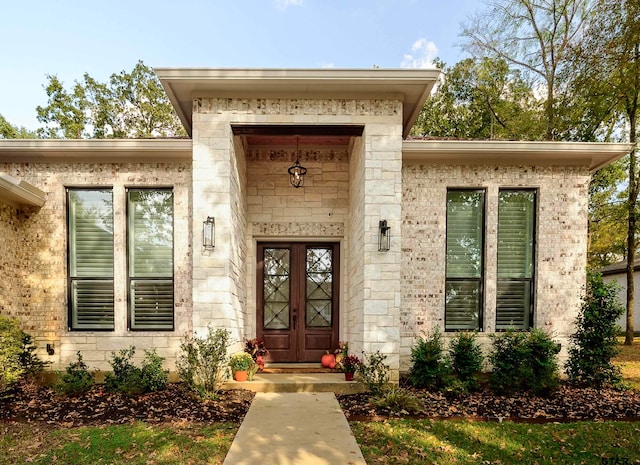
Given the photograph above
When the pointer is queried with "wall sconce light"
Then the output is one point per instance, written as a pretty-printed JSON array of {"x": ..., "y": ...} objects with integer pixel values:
[
  {"x": 209, "y": 233},
  {"x": 297, "y": 171},
  {"x": 384, "y": 237},
  {"x": 50, "y": 350}
]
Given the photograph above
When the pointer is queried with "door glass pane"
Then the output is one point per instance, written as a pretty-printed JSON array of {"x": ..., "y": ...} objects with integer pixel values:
[
  {"x": 276, "y": 288},
  {"x": 319, "y": 284}
]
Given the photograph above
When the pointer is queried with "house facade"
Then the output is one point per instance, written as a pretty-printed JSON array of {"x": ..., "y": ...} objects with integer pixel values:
[{"x": 112, "y": 243}]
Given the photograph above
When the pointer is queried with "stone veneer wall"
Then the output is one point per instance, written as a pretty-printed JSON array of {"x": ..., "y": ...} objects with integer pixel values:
[
  {"x": 561, "y": 244},
  {"x": 38, "y": 285},
  {"x": 379, "y": 299}
]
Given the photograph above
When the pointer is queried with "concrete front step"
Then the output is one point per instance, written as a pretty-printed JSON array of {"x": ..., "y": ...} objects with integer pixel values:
[{"x": 298, "y": 382}]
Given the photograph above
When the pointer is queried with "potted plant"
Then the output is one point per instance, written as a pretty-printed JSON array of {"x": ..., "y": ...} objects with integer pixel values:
[
  {"x": 349, "y": 365},
  {"x": 256, "y": 348},
  {"x": 240, "y": 364},
  {"x": 341, "y": 352}
]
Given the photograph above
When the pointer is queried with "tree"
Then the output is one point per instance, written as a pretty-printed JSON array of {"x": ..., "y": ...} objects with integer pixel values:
[
  {"x": 9, "y": 131},
  {"x": 534, "y": 36},
  {"x": 480, "y": 99},
  {"x": 130, "y": 105},
  {"x": 610, "y": 54}
]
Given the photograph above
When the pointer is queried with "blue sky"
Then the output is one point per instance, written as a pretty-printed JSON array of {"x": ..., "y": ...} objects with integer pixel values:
[{"x": 70, "y": 37}]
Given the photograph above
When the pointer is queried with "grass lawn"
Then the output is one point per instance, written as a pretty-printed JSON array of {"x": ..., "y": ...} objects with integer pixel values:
[
  {"x": 466, "y": 442},
  {"x": 629, "y": 362},
  {"x": 136, "y": 444}
]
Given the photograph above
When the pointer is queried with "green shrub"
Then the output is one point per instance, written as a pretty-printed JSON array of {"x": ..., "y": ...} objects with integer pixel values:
[
  {"x": 465, "y": 355},
  {"x": 130, "y": 380},
  {"x": 429, "y": 367},
  {"x": 10, "y": 351},
  {"x": 524, "y": 361},
  {"x": 595, "y": 344},
  {"x": 373, "y": 372},
  {"x": 76, "y": 379},
  {"x": 154, "y": 378},
  {"x": 203, "y": 362},
  {"x": 397, "y": 401},
  {"x": 31, "y": 364}
]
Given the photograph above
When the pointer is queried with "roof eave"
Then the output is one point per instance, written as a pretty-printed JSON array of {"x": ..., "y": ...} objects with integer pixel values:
[
  {"x": 595, "y": 155},
  {"x": 412, "y": 86}
]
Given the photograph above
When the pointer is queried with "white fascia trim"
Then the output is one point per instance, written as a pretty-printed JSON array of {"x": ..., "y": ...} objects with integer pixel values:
[
  {"x": 15, "y": 192},
  {"x": 593, "y": 154}
]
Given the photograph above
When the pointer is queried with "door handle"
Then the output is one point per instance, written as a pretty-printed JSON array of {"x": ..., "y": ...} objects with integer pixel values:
[{"x": 295, "y": 320}]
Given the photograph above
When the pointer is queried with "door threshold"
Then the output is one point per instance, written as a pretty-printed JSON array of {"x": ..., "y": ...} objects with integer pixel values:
[{"x": 291, "y": 367}]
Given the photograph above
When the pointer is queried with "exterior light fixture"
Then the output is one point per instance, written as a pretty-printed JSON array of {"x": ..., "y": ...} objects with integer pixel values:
[
  {"x": 297, "y": 171},
  {"x": 209, "y": 233},
  {"x": 384, "y": 236}
]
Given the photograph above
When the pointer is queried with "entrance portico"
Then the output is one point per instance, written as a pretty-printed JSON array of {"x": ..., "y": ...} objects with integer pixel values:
[{"x": 354, "y": 181}]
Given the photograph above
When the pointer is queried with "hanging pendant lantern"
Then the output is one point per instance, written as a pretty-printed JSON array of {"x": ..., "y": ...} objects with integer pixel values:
[{"x": 297, "y": 171}]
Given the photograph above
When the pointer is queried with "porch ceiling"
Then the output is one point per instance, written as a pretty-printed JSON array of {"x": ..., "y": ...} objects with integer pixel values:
[{"x": 412, "y": 86}]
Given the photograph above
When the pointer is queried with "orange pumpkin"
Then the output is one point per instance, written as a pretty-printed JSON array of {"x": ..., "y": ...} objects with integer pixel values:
[{"x": 327, "y": 359}]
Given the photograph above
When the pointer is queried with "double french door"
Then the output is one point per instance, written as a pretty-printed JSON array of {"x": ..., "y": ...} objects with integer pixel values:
[{"x": 297, "y": 299}]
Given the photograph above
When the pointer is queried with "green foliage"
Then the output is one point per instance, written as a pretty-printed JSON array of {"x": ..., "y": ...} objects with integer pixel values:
[
  {"x": 524, "y": 361},
  {"x": 429, "y": 368},
  {"x": 11, "y": 337},
  {"x": 154, "y": 377},
  {"x": 76, "y": 379},
  {"x": 465, "y": 355},
  {"x": 131, "y": 380},
  {"x": 397, "y": 401},
  {"x": 481, "y": 99},
  {"x": 31, "y": 364},
  {"x": 594, "y": 343},
  {"x": 9, "y": 131},
  {"x": 202, "y": 363},
  {"x": 129, "y": 105},
  {"x": 240, "y": 361},
  {"x": 373, "y": 372}
]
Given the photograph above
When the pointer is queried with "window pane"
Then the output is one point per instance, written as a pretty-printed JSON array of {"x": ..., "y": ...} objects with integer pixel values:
[
  {"x": 515, "y": 234},
  {"x": 90, "y": 233},
  {"x": 151, "y": 233},
  {"x": 514, "y": 302},
  {"x": 319, "y": 287},
  {"x": 462, "y": 302},
  {"x": 276, "y": 288},
  {"x": 464, "y": 233},
  {"x": 90, "y": 244},
  {"x": 465, "y": 257},
  {"x": 150, "y": 245}
]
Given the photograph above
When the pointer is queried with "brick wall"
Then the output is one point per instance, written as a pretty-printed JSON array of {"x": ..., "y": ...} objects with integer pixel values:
[
  {"x": 38, "y": 241},
  {"x": 560, "y": 243}
]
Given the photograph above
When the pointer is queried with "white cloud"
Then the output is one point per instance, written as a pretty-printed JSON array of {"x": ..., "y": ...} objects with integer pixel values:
[
  {"x": 327, "y": 65},
  {"x": 283, "y": 4},
  {"x": 423, "y": 52}
]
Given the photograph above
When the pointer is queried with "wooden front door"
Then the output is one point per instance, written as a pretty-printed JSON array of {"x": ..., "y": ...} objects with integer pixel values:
[{"x": 297, "y": 299}]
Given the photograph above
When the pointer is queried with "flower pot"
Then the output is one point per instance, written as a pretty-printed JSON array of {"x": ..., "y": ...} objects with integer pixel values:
[
  {"x": 348, "y": 375},
  {"x": 241, "y": 375},
  {"x": 260, "y": 362}
]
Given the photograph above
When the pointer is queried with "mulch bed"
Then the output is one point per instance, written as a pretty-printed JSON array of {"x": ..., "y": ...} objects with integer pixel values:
[
  {"x": 568, "y": 403},
  {"x": 31, "y": 403}
]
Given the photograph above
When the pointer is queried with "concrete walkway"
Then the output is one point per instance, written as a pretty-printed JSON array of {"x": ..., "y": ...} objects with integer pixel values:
[{"x": 304, "y": 428}]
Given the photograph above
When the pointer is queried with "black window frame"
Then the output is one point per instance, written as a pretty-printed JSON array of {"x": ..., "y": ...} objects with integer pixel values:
[
  {"x": 481, "y": 279},
  {"x": 531, "y": 280},
  {"x": 71, "y": 280},
  {"x": 131, "y": 326}
]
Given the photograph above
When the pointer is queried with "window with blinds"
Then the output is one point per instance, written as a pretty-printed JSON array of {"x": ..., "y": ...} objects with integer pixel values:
[
  {"x": 465, "y": 259},
  {"x": 90, "y": 259},
  {"x": 516, "y": 236},
  {"x": 150, "y": 258}
]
